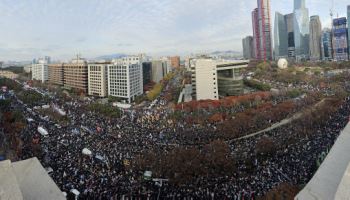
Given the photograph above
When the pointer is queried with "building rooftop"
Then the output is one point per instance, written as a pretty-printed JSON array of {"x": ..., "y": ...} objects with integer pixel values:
[
  {"x": 332, "y": 179},
  {"x": 27, "y": 179}
]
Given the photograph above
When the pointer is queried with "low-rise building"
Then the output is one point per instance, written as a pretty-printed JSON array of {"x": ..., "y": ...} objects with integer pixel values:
[{"x": 8, "y": 74}]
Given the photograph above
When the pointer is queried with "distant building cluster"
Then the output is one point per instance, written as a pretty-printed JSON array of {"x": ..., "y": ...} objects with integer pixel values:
[
  {"x": 124, "y": 78},
  {"x": 296, "y": 36},
  {"x": 8, "y": 74}
]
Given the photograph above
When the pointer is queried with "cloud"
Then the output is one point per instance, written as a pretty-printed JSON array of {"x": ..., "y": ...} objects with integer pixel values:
[{"x": 153, "y": 26}]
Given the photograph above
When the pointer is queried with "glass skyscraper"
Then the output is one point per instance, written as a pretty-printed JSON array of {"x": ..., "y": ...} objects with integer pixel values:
[
  {"x": 326, "y": 44},
  {"x": 280, "y": 36},
  {"x": 349, "y": 30},
  {"x": 290, "y": 31},
  {"x": 301, "y": 30}
]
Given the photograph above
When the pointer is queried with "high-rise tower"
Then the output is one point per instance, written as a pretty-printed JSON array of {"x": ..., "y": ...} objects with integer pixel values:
[
  {"x": 301, "y": 30},
  {"x": 262, "y": 30},
  {"x": 280, "y": 37},
  {"x": 340, "y": 39},
  {"x": 349, "y": 30},
  {"x": 315, "y": 38}
]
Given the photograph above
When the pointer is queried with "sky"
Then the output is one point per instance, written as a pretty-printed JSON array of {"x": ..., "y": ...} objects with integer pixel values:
[{"x": 63, "y": 28}]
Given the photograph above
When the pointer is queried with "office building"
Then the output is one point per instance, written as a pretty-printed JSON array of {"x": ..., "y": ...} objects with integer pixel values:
[
  {"x": 175, "y": 61},
  {"x": 56, "y": 74},
  {"x": 167, "y": 65},
  {"x": 340, "y": 39},
  {"x": 40, "y": 71},
  {"x": 280, "y": 37},
  {"x": 159, "y": 70},
  {"x": 289, "y": 18},
  {"x": 248, "y": 47},
  {"x": 315, "y": 38},
  {"x": 125, "y": 78},
  {"x": 98, "y": 79},
  {"x": 147, "y": 72},
  {"x": 75, "y": 75},
  {"x": 261, "y": 21},
  {"x": 326, "y": 42},
  {"x": 204, "y": 79},
  {"x": 212, "y": 79},
  {"x": 230, "y": 78},
  {"x": 301, "y": 30}
]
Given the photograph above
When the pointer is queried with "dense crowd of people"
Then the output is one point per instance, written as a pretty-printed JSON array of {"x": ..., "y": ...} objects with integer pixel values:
[{"x": 106, "y": 173}]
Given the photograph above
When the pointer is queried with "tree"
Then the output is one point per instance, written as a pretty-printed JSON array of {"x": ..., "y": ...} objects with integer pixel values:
[
  {"x": 284, "y": 191},
  {"x": 218, "y": 158},
  {"x": 265, "y": 146},
  {"x": 154, "y": 93}
]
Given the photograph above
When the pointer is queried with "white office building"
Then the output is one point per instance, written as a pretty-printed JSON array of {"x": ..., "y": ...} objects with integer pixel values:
[
  {"x": 98, "y": 79},
  {"x": 40, "y": 71},
  {"x": 125, "y": 78},
  {"x": 204, "y": 81},
  {"x": 213, "y": 79}
]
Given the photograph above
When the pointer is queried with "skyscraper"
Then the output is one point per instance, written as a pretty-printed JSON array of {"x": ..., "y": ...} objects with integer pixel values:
[
  {"x": 262, "y": 30},
  {"x": 349, "y": 30},
  {"x": 315, "y": 38},
  {"x": 289, "y": 18},
  {"x": 265, "y": 29},
  {"x": 340, "y": 39},
  {"x": 326, "y": 44},
  {"x": 256, "y": 34},
  {"x": 280, "y": 37},
  {"x": 248, "y": 47},
  {"x": 301, "y": 30}
]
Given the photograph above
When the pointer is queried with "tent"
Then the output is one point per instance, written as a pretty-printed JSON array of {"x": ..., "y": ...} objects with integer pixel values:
[
  {"x": 30, "y": 120},
  {"x": 75, "y": 192},
  {"x": 86, "y": 151},
  {"x": 42, "y": 131}
]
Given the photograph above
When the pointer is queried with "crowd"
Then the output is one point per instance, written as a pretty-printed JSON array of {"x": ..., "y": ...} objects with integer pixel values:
[{"x": 114, "y": 143}]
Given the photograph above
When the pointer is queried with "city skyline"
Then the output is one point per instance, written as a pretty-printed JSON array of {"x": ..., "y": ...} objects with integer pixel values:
[{"x": 92, "y": 28}]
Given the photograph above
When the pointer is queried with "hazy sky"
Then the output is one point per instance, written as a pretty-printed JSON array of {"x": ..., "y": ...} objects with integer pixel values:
[{"x": 62, "y": 28}]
